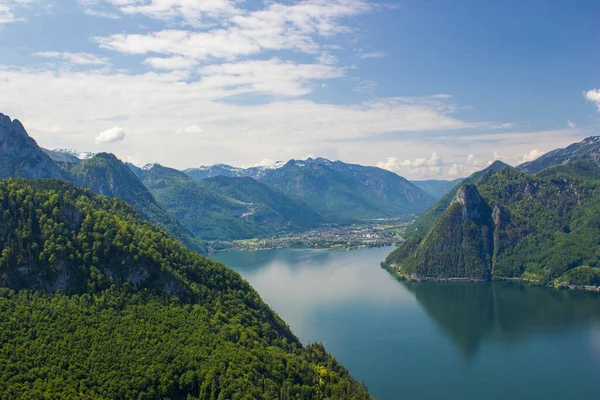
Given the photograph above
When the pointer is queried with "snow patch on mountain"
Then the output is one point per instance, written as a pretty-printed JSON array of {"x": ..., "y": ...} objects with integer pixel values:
[{"x": 82, "y": 155}]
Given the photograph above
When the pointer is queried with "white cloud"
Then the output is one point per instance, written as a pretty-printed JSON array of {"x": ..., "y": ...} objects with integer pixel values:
[
  {"x": 6, "y": 14},
  {"x": 372, "y": 55},
  {"x": 272, "y": 77},
  {"x": 417, "y": 167},
  {"x": 74, "y": 58},
  {"x": 391, "y": 164},
  {"x": 170, "y": 63},
  {"x": 192, "y": 12},
  {"x": 594, "y": 96},
  {"x": 441, "y": 96},
  {"x": 265, "y": 162},
  {"x": 101, "y": 14},
  {"x": 470, "y": 165},
  {"x": 243, "y": 33},
  {"x": 571, "y": 124},
  {"x": 193, "y": 129},
  {"x": 9, "y": 7},
  {"x": 365, "y": 86},
  {"x": 532, "y": 155},
  {"x": 112, "y": 135},
  {"x": 327, "y": 59}
]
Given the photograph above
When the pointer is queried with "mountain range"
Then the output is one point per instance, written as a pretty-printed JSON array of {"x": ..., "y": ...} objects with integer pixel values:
[
  {"x": 339, "y": 191},
  {"x": 538, "y": 222},
  {"x": 223, "y": 202}
]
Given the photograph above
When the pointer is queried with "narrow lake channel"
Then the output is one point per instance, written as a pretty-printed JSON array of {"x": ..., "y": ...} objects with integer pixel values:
[{"x": 432, "y": 340}]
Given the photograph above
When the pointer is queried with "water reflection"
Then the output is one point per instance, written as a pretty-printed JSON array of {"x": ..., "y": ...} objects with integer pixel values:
[
  {"x": 471, "y": 313},
  {"x": 301, "y": 284}
]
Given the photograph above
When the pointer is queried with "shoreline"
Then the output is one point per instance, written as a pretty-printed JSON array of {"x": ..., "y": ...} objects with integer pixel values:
[
  {"x": 554, "y": 285},
  {"x": 330, "y": 248}
]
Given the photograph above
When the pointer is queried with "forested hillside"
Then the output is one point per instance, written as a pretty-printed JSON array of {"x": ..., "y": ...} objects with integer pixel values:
[
  {"x": 543, "y": 228},
  {"x": 97, "y": 303},
  {"x": 105, "y": 174}
]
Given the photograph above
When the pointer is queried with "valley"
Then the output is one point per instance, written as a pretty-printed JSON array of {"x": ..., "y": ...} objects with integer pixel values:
[{"x": 365, "y": 235}]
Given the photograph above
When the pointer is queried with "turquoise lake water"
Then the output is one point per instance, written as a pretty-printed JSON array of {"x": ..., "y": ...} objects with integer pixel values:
[{"x": 432, "y": 340}]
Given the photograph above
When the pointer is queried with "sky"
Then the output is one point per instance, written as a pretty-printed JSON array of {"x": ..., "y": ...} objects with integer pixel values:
[{"x": 425, "y": 88}]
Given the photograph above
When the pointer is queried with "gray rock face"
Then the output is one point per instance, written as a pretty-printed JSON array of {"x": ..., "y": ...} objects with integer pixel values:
[
  {"x": 470, "y": 199},
  {"x": 20, "y": 155}
]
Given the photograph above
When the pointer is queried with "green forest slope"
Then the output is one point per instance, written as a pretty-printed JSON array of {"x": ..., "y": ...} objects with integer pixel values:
[{"x": 97, "y": 303}]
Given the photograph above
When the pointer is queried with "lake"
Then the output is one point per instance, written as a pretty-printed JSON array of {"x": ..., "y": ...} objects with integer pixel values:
[{"x": 431, "y": 340}]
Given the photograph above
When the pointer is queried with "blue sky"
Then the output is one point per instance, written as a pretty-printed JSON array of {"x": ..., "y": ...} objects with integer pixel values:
[{"x": 428, "y": 89}]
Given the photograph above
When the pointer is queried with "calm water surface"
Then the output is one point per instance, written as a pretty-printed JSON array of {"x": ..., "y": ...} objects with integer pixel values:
[{"x": 432, "y": 340}]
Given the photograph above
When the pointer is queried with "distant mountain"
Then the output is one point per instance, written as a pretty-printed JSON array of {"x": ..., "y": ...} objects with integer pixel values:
[
  {"x": 209, "y": 213},
  {"x": 345, "y": 192},
  {"x": 20, "y": 155},
  {"x": 271, "y": 207},
  {"x": 436, "y": 188},
  {"x": 508, "y": 224},
  {"x": 425, "y": 220},
  {"x": 61, "y": 157},
  {"x": 68, "y": 155},
  {"x": 213, "y": 171},
  {"x": 587, "y": 149},
  {"x": 339, "y": 191},
  {"x": 97, "y": 303}
]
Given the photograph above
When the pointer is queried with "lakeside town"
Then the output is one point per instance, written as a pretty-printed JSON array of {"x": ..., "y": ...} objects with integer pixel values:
[{"x": 376, "y": 234}]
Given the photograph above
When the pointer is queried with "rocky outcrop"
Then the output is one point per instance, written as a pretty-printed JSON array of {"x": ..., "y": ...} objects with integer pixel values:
[
  {"x": 470, "y": 200},
  {"x": 20, "y": 155}
]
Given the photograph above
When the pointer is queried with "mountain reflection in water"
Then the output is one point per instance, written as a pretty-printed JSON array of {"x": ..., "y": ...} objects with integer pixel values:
[{"x": 472, "y": 312}]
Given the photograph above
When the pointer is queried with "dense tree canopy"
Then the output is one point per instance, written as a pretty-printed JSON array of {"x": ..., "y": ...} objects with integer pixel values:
[{"x": 98, "y": 303}]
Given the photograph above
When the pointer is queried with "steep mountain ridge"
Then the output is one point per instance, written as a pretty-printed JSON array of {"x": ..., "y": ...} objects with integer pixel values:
[
  {"x": 587, "y": 149},
  {"x": 20, "y": 155},
  {"x": 426, "y": 220}
]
